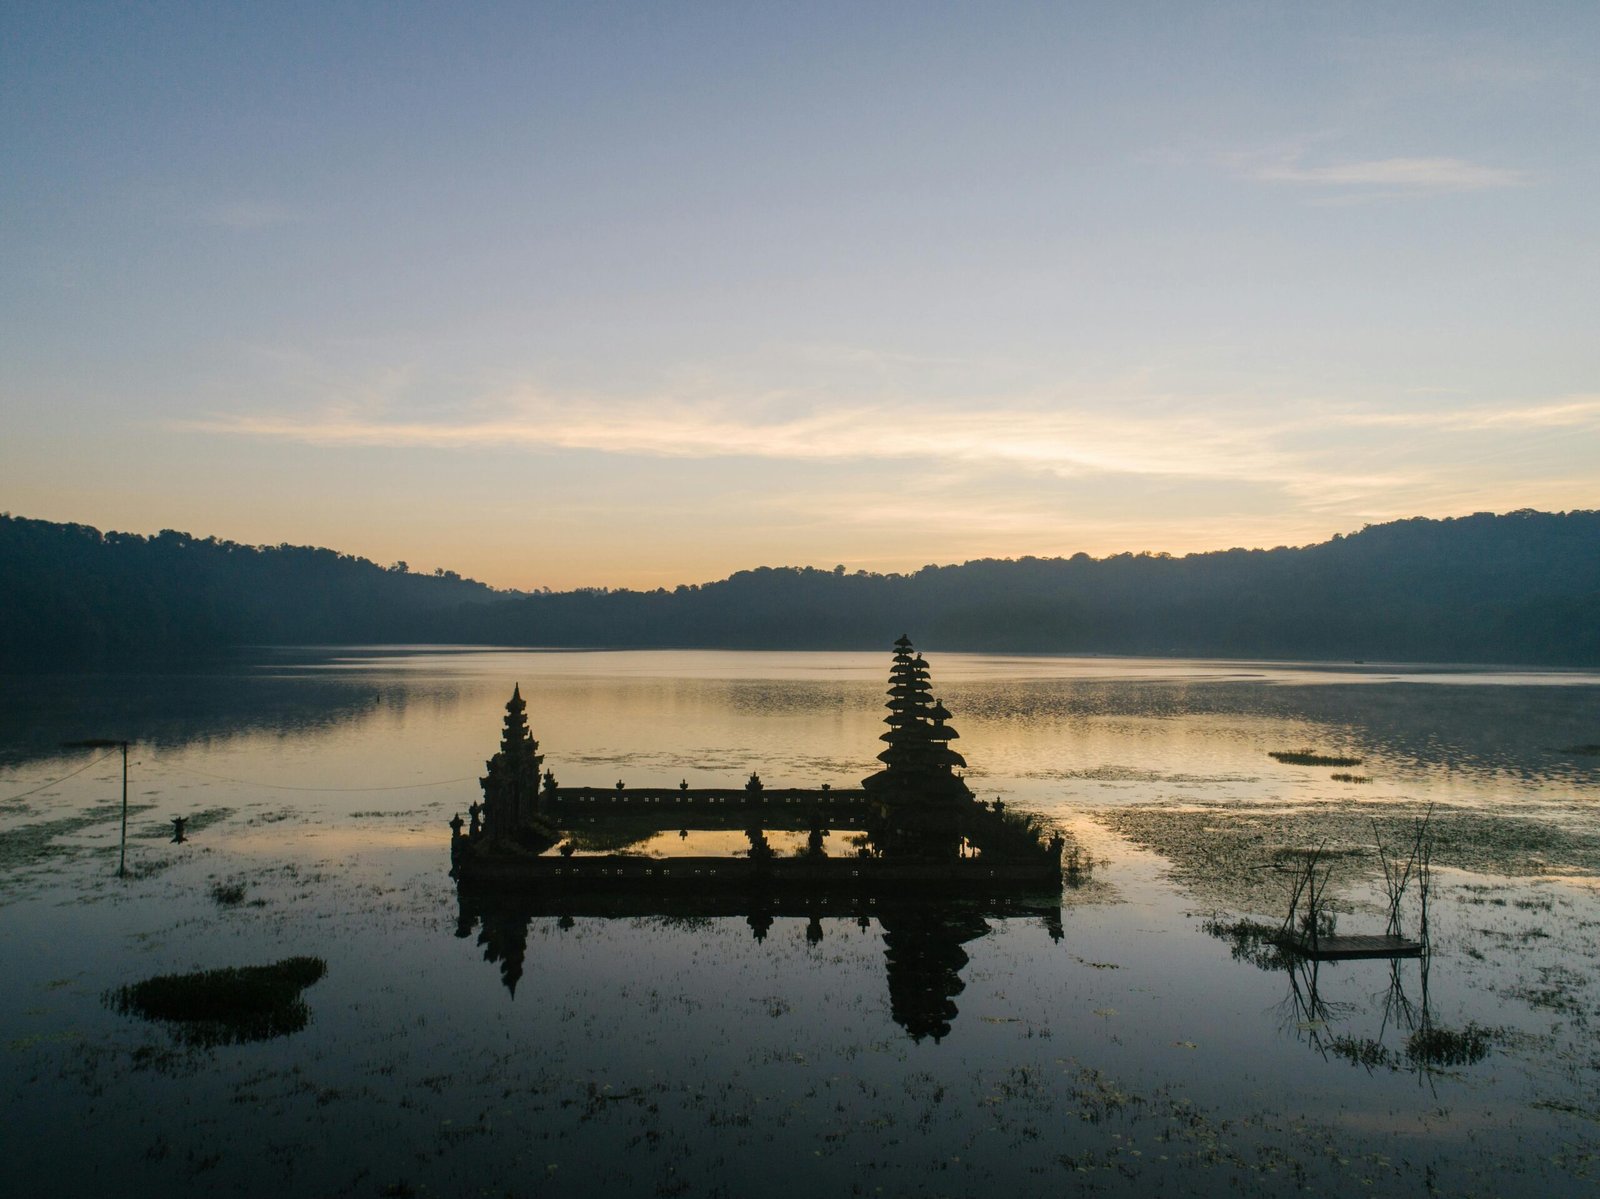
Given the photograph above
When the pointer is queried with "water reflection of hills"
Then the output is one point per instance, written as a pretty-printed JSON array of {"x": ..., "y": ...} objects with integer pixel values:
[
  {"x": 172, "y": 711},
  {"x": 924, "y": 936},
  {"x": 1508, "y": 727}
]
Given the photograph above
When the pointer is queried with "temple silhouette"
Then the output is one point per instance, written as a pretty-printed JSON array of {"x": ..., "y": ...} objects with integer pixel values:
[
  {"x": 915, "y": 851},
  {"x": 915, "y": 822}
]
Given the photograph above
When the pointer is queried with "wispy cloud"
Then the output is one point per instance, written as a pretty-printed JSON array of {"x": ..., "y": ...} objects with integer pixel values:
[
  {"x": 1566, "y": 413},
  {"x": 1314, "y": 451},
  {"x": 1394, "y": 176},
  {"x": 896, "y": 484},
  {"x": 1067, "y": 442}
]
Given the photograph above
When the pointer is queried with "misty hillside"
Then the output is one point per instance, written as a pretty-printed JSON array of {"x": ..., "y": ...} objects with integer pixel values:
[{"x": 1518, "y": 588}]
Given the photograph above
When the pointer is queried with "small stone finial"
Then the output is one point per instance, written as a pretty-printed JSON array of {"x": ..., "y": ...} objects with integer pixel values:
[
  {"x": 620, "y": 785},
  {"x": 683, "y": 785},
  {"x": 456, "y": 825}
]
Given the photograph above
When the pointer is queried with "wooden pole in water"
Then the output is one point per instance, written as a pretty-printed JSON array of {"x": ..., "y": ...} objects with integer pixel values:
[
  {"x": 104, "y": 743},
  {"x": 122, "y": 859}
]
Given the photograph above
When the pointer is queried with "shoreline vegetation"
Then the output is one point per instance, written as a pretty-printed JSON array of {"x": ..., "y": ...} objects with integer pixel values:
[{"x": 1519, "y": 588}]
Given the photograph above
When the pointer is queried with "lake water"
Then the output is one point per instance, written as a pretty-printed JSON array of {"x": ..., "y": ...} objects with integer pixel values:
[{"x": 1105, "y": 1041}]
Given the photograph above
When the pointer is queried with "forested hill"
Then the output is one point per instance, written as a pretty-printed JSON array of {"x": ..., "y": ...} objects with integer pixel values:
[
  {"x": 1518, "y": 588},
  {"x": 1523, "y": 587},
  {"x": 72, "y": 595}
]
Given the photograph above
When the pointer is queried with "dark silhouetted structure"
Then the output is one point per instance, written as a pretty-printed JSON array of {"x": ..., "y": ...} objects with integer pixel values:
[
  {"x": 916, "y": 851},
  {"x": 511, "y": 788},
  {"x": 918, "y": 822}
]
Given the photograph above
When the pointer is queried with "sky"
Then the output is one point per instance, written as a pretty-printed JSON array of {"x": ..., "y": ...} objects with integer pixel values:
[{"x": 642, "y": 294}]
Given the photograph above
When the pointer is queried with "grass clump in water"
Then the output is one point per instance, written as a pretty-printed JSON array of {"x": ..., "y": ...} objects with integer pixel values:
[
  {"x": 1437, "y": 1046},
  {"x": 227, "y": 895},
  {"x": 227, "y": 1006},
  {"x": 1351, "y": 778},
  {"x": 1310, "y": 757}
]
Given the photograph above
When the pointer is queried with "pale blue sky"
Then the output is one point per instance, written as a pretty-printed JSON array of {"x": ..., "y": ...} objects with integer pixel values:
[{"x": 626, "y": 294}]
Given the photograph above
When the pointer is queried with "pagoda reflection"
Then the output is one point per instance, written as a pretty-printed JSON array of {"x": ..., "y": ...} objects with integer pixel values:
[{"x": 924, "y": 938}]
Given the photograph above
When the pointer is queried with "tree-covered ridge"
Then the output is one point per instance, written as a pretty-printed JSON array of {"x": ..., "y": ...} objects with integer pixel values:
[
  {"x": 1517, "y": 588},
  {"x": 68, "y": 591},
  {"x": 1522, "y": 587}
]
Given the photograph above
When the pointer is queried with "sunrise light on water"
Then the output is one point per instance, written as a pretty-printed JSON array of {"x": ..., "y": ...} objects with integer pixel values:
[{"x": 799, "y": 600}]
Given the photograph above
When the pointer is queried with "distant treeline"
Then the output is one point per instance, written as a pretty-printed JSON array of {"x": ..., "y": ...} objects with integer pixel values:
[
  {"x": 70, "y": 594},
  {"x": 1518, "y": 588}
]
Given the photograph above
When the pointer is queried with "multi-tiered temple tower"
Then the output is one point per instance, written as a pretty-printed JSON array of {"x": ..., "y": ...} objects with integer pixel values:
[
  {"x": 511, "y": 788},
  {"x": 918, "y": 765}
]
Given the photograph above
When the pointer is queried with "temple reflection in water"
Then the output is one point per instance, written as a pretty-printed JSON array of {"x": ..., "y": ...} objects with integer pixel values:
[
  {"x": 924, "y": 936},
  {"x": 912, "y": 849}
]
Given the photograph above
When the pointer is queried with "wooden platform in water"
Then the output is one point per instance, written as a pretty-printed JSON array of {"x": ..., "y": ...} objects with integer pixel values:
[{"x": 1344, "y": 948}]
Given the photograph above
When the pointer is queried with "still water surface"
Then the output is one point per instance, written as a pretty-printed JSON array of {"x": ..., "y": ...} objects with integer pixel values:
[{"x": 1100, "y": 1039}]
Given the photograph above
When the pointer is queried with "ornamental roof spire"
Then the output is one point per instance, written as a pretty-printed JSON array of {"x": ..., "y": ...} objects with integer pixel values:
[{"x": 918, "y": 761}]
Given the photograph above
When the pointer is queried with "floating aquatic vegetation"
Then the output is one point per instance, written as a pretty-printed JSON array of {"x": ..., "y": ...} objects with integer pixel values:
[
  {"x": 1236, "y": 856},
  {"x": 1567, "y": 1107},
  {"x": 1342, "y": 777},
  {"x": 1310, "y": 757},
  {"x": 32, "y": 844},
  {"x": 227, "y": 1006},
  {"x": 227, "y": 895}
]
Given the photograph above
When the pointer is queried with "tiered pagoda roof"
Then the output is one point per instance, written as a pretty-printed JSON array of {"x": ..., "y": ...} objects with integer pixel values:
[
  {"x": 510, "y": 789},
  {"x": 918, "y": 760}
]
